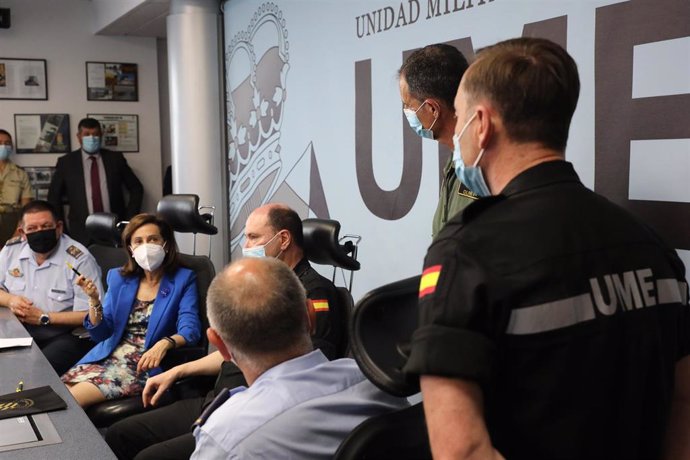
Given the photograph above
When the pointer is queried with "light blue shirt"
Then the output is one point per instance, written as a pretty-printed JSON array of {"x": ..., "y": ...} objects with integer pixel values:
[
  {"x": 50, "y": 286},
  {"x": 299, "y": 409}
]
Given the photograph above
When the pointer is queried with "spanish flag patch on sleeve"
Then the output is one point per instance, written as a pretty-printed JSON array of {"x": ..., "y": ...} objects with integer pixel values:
[
  {"x": 427, "y": 285},
  {"x": 320, "y": 304}
]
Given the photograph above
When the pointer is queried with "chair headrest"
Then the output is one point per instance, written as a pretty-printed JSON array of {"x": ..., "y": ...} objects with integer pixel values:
[
  {"x": 321, "y": 244},
  {"x": 380, "y": 333},
  {"x": 182, "y": 213},
  {"x": 102, "y": 227}
]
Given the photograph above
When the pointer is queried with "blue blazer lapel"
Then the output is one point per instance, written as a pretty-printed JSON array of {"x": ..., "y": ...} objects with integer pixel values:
[{"x": 160, "y": 307}]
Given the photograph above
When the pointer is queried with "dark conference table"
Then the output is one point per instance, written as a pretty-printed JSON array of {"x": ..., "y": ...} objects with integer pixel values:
[{"x": 80, "y": 439}]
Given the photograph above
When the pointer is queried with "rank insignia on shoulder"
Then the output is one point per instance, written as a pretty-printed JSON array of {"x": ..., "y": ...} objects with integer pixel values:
[
  {"x": 74, "y": 251},
  {"x": 15, "y": 240},
  {"x": 15, "y": 272}
]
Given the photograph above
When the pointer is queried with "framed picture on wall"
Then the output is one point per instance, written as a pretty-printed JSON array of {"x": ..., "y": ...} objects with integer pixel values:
[
  {"x": 40, "y": 177},
  {"x": 42, "y": 133},
  {"x": 120, "y": 132},
  {"x": 23, "y": 79},
  {"x": 111, "y": 81}
]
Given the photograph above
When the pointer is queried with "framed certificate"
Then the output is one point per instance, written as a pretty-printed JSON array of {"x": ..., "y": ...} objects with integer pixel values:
[
  {"x": 42, "y": 133},
  {"x": 23, "y": 79},
  {"x": 111, "y": 81}
]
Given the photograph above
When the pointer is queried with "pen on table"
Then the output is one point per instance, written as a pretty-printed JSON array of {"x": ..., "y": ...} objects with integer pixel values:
[
  {"x": 73, "y": 269},
  {"x": 20, "y": 386}
]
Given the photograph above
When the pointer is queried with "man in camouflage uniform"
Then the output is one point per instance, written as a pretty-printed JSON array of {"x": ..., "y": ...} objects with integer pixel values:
[{"x": 15, "y": 189}]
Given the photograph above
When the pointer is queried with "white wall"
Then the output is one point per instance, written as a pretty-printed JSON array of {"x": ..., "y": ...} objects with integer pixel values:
[
  {"x": 634, "y": 69},
  {"x": 61, "y": 33}
]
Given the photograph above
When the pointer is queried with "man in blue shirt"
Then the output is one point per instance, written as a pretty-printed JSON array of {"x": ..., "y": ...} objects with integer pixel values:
[
  {"x": 298, "y": 404},
  {"x": 37, "y": 284}
]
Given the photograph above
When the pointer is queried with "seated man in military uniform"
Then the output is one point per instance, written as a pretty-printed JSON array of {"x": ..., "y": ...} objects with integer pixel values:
[{"x": 37, "y": 284}]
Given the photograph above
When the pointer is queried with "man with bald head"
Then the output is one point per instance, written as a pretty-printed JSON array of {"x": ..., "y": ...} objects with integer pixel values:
[
  {"x": 298, "y": 404},
  {"x": 272, "y": 231},
  {"x": 275, "y": 230}
]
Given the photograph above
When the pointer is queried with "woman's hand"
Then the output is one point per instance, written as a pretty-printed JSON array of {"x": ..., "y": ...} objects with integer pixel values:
[
  {"x": 89, "y": 288},
  {"x": 153, "y": 356}
]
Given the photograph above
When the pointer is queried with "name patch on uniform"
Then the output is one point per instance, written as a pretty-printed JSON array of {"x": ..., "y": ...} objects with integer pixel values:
[
  {"x": 57, "y": 291},
  {"x": 427, "y": 285},
  {"x": 320, "y": 304},
  {"x": 464, "y": 191},
  {"x": 74, "y": 251},
  {"x": 15, "y": 272},
  {"x": 609, "y": 294}
]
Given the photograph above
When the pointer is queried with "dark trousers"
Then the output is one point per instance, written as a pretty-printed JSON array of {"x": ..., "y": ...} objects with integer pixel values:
[
  {"x": 161, "y": 434},
  {"x": 64, "y": 350}
]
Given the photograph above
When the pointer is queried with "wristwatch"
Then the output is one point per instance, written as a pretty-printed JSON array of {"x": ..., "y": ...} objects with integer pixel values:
[{"x": 44, "y": 319}]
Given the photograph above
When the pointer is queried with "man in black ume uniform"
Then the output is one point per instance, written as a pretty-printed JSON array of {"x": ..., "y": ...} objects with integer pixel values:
[{"x": 554, "y": 325}]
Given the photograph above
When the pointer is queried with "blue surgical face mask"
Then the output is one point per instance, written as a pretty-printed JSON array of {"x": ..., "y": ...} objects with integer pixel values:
[
  {"x": 5, "y": 151},
  {"x": 91, "y": 144},
  {"x": 416, "y": 124},
  {"x": 471, "y": 176},
  {"x": 257, "y": 251}
]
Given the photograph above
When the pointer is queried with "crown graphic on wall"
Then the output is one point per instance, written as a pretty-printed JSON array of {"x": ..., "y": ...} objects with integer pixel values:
[{"x": 256, "y": 65}]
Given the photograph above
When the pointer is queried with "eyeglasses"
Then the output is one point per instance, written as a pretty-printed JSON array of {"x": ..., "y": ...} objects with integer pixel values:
[
  {"x": 38, "y": 228},
  {"x": 152, "y": 239}
]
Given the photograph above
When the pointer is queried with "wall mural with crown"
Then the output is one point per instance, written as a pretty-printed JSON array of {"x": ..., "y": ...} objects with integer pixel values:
[{"x": 314, "y": 115}]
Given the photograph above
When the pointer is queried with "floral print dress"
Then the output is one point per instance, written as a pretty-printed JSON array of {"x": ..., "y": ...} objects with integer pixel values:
[{"x": 116, "y": 376}]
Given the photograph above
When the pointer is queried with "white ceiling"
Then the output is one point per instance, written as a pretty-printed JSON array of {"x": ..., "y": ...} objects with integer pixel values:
[{"x": 145, "y": 20}]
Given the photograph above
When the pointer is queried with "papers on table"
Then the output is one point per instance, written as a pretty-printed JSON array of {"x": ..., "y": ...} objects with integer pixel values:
[
  {"x": 20, "y": 342},
  {"x": 17, "y": 431}
]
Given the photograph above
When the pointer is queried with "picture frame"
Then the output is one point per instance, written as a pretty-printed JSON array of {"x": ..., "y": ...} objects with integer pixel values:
[
  {"x": 23, "y": 79},
  {"x": 112, "y": 81},
  {"x": 40, "y": 177},
  {"x": 120, "y": 131},
  {"x": 42, "y": 133}
]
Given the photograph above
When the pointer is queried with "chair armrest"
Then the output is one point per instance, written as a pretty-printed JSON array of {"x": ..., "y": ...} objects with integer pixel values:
[
  {"x": 182, "y": 355},
  {"x": 193, "y": 387},
  {"x": 106, "y": 413}
]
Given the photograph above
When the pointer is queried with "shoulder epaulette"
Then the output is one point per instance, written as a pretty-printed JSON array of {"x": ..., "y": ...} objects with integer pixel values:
[
  {"x": 74, "y": 251},
  {"x": 15, "y": 240},
  {"x": 475, "y": 208}
]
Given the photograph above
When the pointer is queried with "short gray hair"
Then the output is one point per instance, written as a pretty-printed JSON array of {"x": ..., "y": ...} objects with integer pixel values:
[{"x": 260, "y": 310}]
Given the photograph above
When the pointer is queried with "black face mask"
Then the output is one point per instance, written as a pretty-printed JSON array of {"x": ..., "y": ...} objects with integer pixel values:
[{"x": 42, "y": 241}]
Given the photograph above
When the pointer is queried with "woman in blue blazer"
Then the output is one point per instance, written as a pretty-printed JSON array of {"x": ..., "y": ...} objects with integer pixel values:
[{"x": 151, "y": 307}]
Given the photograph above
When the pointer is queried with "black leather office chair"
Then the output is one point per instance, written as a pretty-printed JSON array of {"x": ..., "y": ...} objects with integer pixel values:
[
  {"x": 105, "y": 230},
  {"x": 183, "y": 213},
  {"x": 322, "y": 246},
  {"x": 381, "y": 328},
  {"x": 184, "y": 218}
]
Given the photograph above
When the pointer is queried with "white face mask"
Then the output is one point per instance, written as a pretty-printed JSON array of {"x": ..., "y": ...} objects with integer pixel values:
[
  {"x": 258, "y": 251},
  {"x": 149, "y": 256}
]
